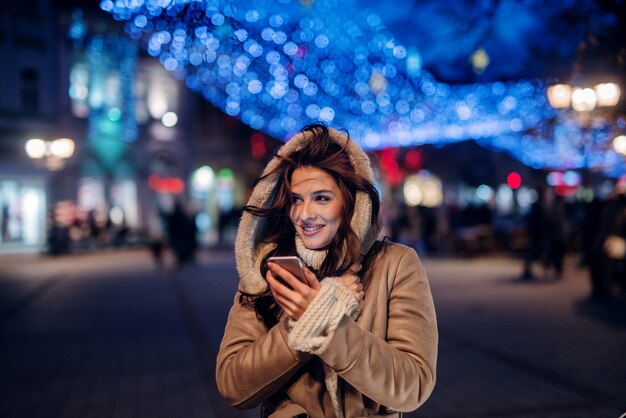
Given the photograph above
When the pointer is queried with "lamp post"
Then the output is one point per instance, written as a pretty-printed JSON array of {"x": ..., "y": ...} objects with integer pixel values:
[
  {"x": 584, "y": 100},
  {"x": 51, "y": 154}
]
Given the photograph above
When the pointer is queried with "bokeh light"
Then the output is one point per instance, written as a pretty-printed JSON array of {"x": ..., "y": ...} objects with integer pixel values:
[
  {"x": 35, "y": 148},
  {"x": 278, "y": 66},
  {"x": 514, "y": 180},
  {"x": 169, "y": 119}
]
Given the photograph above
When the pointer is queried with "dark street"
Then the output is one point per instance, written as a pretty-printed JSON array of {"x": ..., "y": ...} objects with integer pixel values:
[
  {"x": 143, "y": 141},
  {"x": 109, "y": 335}
]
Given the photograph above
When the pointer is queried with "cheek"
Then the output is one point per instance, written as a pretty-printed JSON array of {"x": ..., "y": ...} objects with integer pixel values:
[
  {"x": 335, "y": 217},
  {"x": 293, "y": 214}
]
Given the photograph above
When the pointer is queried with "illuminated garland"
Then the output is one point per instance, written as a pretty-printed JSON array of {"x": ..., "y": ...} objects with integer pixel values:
[
  {"x": 112, "y": 107},
  {"x": 280, "y": 64}
]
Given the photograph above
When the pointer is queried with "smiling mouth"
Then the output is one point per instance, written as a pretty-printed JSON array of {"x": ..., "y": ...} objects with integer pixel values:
[{"x": 311, "y": 229}]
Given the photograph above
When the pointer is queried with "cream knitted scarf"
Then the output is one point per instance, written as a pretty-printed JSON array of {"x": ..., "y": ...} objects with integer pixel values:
[{"x": 312, "y": 258}]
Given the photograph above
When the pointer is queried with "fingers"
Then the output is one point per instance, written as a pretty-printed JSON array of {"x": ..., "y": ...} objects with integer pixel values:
[
  {"x": 352, "y": 282},
  {"x": 282, "y": 294},
  {"x": 277, "y": 286},
  {"x": 355, "y": 268},
  {"x": 289, "y": 278},
  {"x": 355, "y": 287},
  {"x": 348, "y": 279},
  {"x": 294, "y": 297},
  {"x": 311, "y": 279},
  {"x": 293, "y": 301},
  {"x": 287, "y": 305}
]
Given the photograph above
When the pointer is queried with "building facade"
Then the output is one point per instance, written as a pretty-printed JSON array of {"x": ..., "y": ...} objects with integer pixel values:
[{"x": 143, "y": 142}]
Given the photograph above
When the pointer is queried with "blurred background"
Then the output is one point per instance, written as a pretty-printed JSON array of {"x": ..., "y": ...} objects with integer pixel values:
[{"x": 131, "y": 133}]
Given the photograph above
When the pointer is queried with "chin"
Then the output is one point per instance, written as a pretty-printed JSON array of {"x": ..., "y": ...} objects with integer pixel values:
[{"x": 314, "y": 244}]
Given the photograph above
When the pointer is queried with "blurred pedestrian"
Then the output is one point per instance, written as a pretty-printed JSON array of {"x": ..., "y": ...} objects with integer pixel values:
[
  {"x": 592, "y": 215},
  {"x": 556, "y": 231},
  {"x": 181, "y": 235},
  {"x": 156, "y": 246},
  {"x": 607, "y": 263},
  {"x": 58, "y": 235},
  {"x": 356, "y": 337},
  {"x": 4, "y": 221},
  {"x": 535, "y": 232},
  {"x": 93, "y": 228}
]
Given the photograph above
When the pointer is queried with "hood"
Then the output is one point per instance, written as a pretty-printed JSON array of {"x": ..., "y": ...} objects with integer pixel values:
[{"x": 249, "y": 250}]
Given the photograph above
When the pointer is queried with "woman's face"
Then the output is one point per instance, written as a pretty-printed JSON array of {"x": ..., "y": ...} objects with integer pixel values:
[{"x": 316, "y": 207}]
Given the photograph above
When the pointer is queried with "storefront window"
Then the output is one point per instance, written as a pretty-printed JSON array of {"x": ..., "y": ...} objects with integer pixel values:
[{"x": 22, "y": 213}]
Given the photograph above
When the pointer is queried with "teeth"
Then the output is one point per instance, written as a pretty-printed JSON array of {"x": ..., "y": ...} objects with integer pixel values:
[{"x": 311, "y": 228}]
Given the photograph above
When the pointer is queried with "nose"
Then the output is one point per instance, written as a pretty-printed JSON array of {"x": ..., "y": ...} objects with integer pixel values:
[{"x": 306, "y": 212}]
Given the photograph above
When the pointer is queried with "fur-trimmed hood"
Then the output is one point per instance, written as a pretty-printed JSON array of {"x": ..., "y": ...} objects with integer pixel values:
[{"x": 249, "y": 250}]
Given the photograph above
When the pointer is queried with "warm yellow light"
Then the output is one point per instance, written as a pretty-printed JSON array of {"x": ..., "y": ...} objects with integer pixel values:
[
  {"x": 584, "y": 99},
  {"x": 607, "y": 93},
  {"x": 62, "y": 148},
  {"x": 480, "y": 60},
  {"x": 422, "y": 189},
  {"x": 619, "y": 144},
  {"x": 35, "y": 148},
  {"x": 157, "y": 100},
  {"x": 378, "y": 83},
  {"x": 433, "y": 195},
  {"x": 411, "y": 190},
  {"x": 559, "y": 96}
]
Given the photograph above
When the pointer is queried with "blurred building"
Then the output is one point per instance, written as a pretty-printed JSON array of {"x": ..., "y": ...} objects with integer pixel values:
[
  {"x": 28, "y": 108},
  {"x": 132, "y": 98},
  {"x": 138, "y": 134}
]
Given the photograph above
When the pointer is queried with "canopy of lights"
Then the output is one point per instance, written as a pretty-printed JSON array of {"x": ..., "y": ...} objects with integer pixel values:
[{"x": 279, "y": 65}]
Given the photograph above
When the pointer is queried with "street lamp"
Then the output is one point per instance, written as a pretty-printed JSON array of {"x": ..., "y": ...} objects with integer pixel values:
[
  {"x": 52, "y": 154},
  {"x": 584, "y": 100},
  {"x": 619, "y": 144}
]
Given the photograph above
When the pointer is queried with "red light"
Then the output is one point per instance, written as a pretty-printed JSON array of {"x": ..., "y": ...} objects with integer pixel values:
[
  {"x": 257, "y": 138},
  {"x": 564, "y": 190},
  {"x": 413, "y": 159},
  {"x": 514, "y": 180},
  {"x": 174, "y": 185},
  {"x": 390, "y": 167},
  {"x": 259, "y": 146}
]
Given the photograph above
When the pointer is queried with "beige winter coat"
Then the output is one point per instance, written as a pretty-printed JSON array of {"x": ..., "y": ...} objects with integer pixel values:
[{"x": 385, "y": 360}]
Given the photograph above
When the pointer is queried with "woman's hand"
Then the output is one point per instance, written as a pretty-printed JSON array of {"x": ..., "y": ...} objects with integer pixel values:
[
  {"x": 352, "y": 282},
  {"x": 291, "y": 294}
]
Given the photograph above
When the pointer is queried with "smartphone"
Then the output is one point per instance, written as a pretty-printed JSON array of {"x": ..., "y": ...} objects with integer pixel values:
[{"x": 292, "y": 264}]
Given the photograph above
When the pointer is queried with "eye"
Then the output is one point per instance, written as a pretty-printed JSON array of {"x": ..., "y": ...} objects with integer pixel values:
[
  {"x": 322, "y": 198},
  {"x": 295, "y": 200}
]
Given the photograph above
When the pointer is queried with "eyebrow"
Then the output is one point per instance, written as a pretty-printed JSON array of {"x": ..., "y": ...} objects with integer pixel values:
[{"x": 316, "y": 192}]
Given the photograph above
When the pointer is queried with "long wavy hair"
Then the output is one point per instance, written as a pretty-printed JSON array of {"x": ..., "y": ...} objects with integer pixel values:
[{"x": 322, "y": 152}]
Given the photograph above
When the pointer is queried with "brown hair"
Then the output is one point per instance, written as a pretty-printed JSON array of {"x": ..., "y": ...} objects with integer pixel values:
[{"x": 322, "y": 152}]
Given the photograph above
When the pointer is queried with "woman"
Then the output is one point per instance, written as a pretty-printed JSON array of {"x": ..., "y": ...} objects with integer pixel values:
[{"x": 340, "y": 345}]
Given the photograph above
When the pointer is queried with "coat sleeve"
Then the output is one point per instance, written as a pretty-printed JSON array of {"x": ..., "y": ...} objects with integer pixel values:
[
  {"x": 253, "y": 363},
  {"x": 399, "y": 371}
]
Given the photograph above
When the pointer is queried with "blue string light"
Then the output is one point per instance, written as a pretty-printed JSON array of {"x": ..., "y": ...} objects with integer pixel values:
[
  {"x": 112, "y": 62},
  {"x": 279, "y": 65}
]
